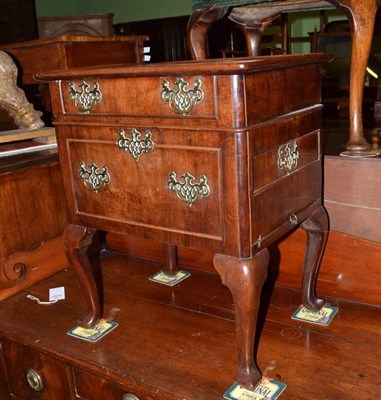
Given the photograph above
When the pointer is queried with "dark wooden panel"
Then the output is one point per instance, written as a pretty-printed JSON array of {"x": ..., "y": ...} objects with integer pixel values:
[
  {"x": 33, "y": 207},
  {"x": 291, "y": 195},
  {"x": 55, "y": 375},
  {"x": 266, "y": 170},
  {"x": 167, "y": 36},
  {"x": 32, "y": 219},
  {"x": 63, "y": 52},
  {"x": 140, "y": 97},
  {"x": 352, "y": 189},
  {"x": 282, "y": 86},
  {"x": 18, "y": 21},
  {"x": 268, "y": 134},
  {"x": 341, "y": 274},
  {"x": 350, "y": 266},
  {"x": 169, "y": 351},
  {"x": 4, "y": 391}
]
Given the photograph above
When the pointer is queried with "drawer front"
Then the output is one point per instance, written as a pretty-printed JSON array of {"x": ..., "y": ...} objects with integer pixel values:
[
  {"x": 91, "y": 387},
  {"x": 33, "y": 375},
  {"x": 172, "y": 97},
  {"x": 279, "y": 162},
  {"x": 279, "y": 204},
  {"x": 286, "y": 172},
  {"x": 145, "y": 178},
  {"x": 289, "y": 90}
]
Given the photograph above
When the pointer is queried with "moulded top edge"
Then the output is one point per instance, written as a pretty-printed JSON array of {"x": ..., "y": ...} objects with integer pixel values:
[
  {"x": 71, "y": 39},
  {"x": 223, "y": 66}
]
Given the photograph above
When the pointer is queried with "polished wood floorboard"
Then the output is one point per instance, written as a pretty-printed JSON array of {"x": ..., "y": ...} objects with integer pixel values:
[{"x": 181, "y": 342}]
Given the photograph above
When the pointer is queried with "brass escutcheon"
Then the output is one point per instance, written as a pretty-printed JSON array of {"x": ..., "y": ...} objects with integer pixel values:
[
  {"x": 188, "y": 191},
  {"x": 288, "y": 156},
  {"x": 182, "y": 100},
  {"x": 92, "y": 178},
  {"x": 135, "y": 146},
  {"x": 84, "y": 99}
]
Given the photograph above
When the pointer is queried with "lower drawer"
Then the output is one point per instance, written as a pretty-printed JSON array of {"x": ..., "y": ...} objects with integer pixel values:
[
  {"x": 33, "y": 375},
  {"x": 92, "y": 387},
  {"x": 281, "y": 202}
]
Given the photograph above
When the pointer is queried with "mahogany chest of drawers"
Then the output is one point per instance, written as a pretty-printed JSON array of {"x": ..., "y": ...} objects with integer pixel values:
[{"x": 222, "y": 155}]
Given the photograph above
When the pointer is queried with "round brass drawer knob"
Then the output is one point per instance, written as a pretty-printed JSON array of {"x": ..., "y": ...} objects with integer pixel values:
[
  {"x": 129, "y": 396},
  {"x": 34, "y": 380}
]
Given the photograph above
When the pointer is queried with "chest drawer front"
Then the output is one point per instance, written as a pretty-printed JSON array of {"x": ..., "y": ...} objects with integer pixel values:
[
  {"x": 91, "y": 387},
  {"x": 179, "y": 97},
  {"x": 172, "y": 186},
  {"x": 33, "y": 375},
  {"x": 291, "y": 89},
  {"x": 278, "y": 204},
  {"x": 278, "y": 163}
]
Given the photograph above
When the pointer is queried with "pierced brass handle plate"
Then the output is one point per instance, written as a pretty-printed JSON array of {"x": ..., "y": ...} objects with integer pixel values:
[
  {"x": 34, "y": 380},
  {"x": 188, "y": 191},
  {"x": 92, "y": 178},
  {"x": 84, "y": 99},
  {"x": 134, "y": 145},
  {"x": 288, "y": 156},
  {"x": 182, "y": 99}
]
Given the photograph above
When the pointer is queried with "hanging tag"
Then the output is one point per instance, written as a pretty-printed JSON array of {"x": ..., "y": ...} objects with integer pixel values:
[{"x": 57, "y": 293}]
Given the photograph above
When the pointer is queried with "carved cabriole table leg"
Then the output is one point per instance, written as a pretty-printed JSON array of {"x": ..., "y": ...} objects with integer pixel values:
[
  {"x": 245, "y": 278},
  {"x": 77, "y": 241},
  {"x": 361, "y": 15},
  {"x": 198, "y": 25},
  {"x": 316, "y": 227}
]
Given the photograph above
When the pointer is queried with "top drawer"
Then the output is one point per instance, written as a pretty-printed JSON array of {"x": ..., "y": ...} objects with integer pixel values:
[
  {"x": 230, "y": 101},
  {"x": 181, "y": 97}
]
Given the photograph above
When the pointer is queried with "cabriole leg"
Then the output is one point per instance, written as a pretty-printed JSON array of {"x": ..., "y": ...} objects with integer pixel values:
[
  {"x": 198, "y": 25},
  {"x": 245, "y": 278},
  {"x": 77, "y": 241},
  {"x": 316, "y": 227}
]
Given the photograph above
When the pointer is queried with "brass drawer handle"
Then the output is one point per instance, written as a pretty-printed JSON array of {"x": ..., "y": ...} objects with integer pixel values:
[
  {"x": 84, "y": 99},
  {"x": 288, "y": 156},
  {"x": 182, "y": 100},
  {"x": 94, "y": 179},
  {"x": 135, "y": 146},
  {"x": 129, "y": 396},
  {"x": 188, "y": 191},
  {"x": 34, "y": 380}
]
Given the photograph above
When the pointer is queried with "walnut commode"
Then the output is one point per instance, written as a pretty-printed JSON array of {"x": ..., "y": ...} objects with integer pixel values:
[{"x": 219, "y": 155}]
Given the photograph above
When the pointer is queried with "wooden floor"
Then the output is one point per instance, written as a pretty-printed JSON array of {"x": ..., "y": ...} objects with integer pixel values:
[{"x": 181, "y": 340}]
